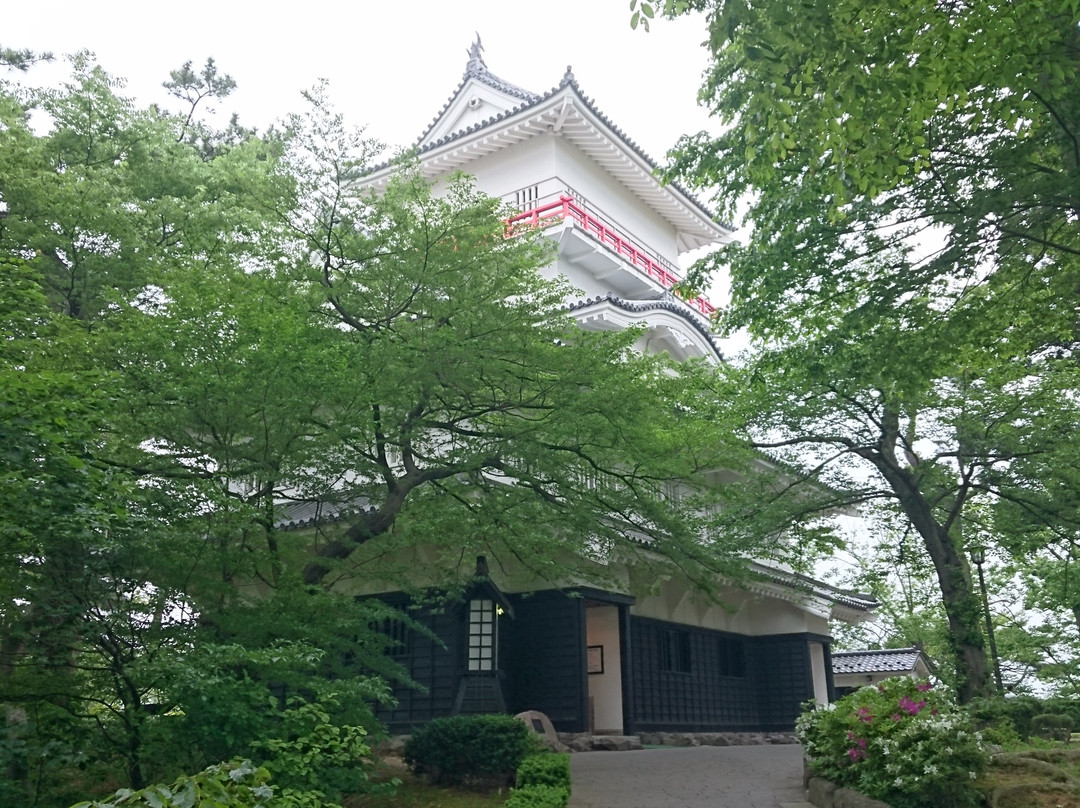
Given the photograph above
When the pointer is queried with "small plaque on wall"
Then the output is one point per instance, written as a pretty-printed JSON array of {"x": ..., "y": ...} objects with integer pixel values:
[{"x": 595, "y": 657}]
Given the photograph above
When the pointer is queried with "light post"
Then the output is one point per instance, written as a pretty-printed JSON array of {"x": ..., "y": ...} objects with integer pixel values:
[{"x": 978, "y": 556}]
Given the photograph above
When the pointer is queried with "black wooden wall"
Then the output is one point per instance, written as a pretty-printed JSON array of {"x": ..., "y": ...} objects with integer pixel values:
[
  {"x": 785, "y": 681},
  {"x": 430, "y": 664},
  {"x": 545, "y": 663},
  {"x": 680, "y": 678},
  {"x": 707, "y": 692},
  {"x": 701, "y": 697}
]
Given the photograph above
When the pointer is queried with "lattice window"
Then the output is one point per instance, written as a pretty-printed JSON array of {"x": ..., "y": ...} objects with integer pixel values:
[
  {"x": 399, "y": 637},
  {"x": 483, "y": 628}
]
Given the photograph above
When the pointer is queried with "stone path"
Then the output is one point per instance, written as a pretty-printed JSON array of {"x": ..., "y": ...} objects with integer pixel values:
[{"x": 693, "y": 777}]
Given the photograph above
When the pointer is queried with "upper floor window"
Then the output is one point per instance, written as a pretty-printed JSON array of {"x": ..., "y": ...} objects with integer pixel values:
[{"x": 526, "y": 198}]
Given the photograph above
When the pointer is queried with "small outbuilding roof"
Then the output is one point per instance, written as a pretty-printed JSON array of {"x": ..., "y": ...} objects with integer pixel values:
[{"x": 892, "y": 660}]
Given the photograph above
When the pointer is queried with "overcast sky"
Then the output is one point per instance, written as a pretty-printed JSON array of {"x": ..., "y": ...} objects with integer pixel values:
[{"x": 391, "y": 66}]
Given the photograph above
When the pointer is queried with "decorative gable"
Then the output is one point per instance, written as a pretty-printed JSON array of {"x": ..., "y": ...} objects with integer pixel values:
[{"x": 480, "y": 97}]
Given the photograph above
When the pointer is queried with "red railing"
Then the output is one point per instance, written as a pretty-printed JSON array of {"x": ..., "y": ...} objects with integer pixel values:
[{"x": 567, "y": 208}]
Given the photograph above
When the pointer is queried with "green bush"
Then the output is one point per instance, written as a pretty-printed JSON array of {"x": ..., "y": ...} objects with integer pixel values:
[
  {"x": 545, "y": 769},
  {"x": 900, "y": 741},
  {"x": 458, "y": 748},
  {"x": 314, "y": 753},
  {"x": 1052, "y": 726},
  {"x": 1063, "y": 706},
  {"x": 991, "y": 713},
  {"x": 538, "y": 797}
]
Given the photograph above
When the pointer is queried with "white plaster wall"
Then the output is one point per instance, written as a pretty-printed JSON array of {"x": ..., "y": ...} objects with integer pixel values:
[
  {"x": 605, "y": 689},
  {"x": 542, "y": 158},
  {"x": 630, "y": 215},
  {"x": 740, "y": 611},
  {"x": 509, "y": 170},
  {"x": 817, "y": 667}
]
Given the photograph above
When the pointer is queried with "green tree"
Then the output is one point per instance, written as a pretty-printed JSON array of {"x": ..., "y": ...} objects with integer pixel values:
[{"x": 910, "y": 176}]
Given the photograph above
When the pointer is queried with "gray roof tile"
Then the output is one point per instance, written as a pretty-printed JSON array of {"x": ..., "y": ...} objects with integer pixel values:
[{"x": 893, "y": 660}]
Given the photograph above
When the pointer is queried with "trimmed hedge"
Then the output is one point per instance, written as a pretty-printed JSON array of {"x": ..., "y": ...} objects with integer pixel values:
[
  {"x": 995, "y": 712},
  {"x": 538, "y": 797},
  {"x": 462, "y": 747},
  {"x": 545, "y": 769},
  {"x": 1052, "y": 726}
]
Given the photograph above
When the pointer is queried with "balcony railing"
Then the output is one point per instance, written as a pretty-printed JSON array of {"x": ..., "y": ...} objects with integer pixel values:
[{"x": 566, "y": 207}]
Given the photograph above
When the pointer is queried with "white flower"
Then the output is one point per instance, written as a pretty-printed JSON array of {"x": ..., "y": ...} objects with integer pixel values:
[
  {"x": 930, "y": 769},
  {"x": 898, "y": 782},
  {"x": 973, "y": 776}
]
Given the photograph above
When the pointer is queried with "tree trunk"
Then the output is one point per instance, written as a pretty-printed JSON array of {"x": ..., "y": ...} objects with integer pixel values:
[{"x": 962, "y": 605}]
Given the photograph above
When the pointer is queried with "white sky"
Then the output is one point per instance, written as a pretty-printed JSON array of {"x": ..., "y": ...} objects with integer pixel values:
[{"x": 391, "y": 67}]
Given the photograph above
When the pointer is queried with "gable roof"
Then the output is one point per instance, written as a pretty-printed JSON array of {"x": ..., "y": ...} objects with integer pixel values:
[
  {"x": 892, "y": 660},
  {"x": 450, "y": 143}
]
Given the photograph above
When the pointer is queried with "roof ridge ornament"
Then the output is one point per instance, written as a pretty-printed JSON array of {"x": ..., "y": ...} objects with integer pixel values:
[
  {"x": 568, "y": 77},
  {"x": 476, "y": 65}
]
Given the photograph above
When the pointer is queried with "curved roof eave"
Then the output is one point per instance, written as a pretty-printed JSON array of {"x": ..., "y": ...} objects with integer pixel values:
[{"x": 642, "y": 308}]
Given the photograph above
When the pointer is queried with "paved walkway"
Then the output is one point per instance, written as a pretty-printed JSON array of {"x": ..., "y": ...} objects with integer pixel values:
[{"x": 692, "y": 777}]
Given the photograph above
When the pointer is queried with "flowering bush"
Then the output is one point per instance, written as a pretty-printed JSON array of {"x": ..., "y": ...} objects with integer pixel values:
[{"x": 900, "y": 741}]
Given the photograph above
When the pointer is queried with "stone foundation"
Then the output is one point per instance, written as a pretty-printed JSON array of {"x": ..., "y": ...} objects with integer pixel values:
[{"x": 584, "y": 742}]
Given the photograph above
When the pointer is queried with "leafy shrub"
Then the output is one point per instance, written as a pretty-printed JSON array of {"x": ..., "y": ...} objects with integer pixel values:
[
  {"x": 315, "y": 754},
  {"x": 238, "y": 784},
  {"x": 454, "y": 749},
  {"x": 1063, "y": 706},
  {"x": 1052, "y": 726},
  {"x": 545, "y": 769},
  {"x": 993, "y": 712},
  {"x": 900, "y": 741},
  {"x": 538, "y": 796},
  {"x": 1001, "y": 733}
]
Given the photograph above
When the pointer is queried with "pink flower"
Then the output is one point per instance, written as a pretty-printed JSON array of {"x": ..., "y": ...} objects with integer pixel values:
[
  {"x": 896, "y": 717},
  {"x": 909, "y": 706},
  {"x": 924, "y": 686}
]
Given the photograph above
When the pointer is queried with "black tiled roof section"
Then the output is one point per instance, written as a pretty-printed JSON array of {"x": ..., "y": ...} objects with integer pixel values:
[
  {"x": 897, "y": 659},
  {"x": 667, "y": 303},
  {"x": 298, "y": 515}
]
